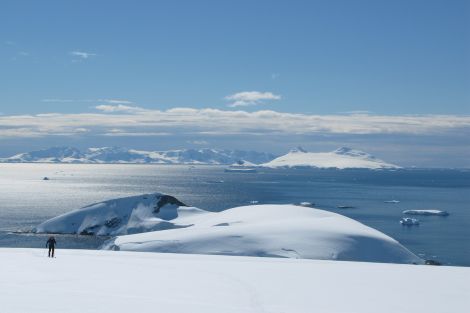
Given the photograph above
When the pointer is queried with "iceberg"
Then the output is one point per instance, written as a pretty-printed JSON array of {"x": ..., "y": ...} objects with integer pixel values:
[
  {"x": 426, "y": 212},
  {"x": 407, "y": 221}
]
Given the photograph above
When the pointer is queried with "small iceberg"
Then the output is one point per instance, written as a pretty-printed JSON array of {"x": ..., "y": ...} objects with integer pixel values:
[
  {"x": 426, "y": 212},
  {"x": 307, "y": 204},
  {"x": 392, "y": 201},
  {"x": 408, "y": 221}
]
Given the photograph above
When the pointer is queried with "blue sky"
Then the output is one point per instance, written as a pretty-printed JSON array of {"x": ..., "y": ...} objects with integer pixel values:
[{"x": 313, "y": 58}]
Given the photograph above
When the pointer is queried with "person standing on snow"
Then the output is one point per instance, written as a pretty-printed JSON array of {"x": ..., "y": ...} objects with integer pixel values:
[{"x": 51, "y": 244}]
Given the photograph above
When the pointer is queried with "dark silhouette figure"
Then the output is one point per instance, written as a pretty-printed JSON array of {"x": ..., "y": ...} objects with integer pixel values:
[{"x": 51, "y": 244}]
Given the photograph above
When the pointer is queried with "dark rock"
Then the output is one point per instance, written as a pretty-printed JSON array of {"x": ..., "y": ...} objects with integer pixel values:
[
  {"x": 112, "y": 223},
  {"x": 89, "y": 231},
  {"x": 166, "y": 199},
  {"x": 432, "y": 262}
]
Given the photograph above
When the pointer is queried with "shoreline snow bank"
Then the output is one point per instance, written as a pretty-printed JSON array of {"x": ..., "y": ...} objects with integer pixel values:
[{"x": 79, "y": 281}]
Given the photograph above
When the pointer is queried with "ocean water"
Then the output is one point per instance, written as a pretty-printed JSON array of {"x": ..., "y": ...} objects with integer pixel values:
[{"x": 26, "y": 199}]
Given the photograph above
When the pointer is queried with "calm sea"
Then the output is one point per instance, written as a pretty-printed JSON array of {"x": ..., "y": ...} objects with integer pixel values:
[{"x": 26, "y": 199}]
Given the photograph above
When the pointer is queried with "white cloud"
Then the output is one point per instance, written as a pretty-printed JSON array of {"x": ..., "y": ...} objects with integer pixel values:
[
  {"x": 135, "y": 134},
  {"x": 116, "y": 101},
  {"x": 119, "y": 120},
  {"x": 82, "y": 55},
  {"x": 109, "y": 101},
  {"x": 108, "y": 108},
  {"x": 357, "y": 112},
  {"x": 246, "y": 98}
]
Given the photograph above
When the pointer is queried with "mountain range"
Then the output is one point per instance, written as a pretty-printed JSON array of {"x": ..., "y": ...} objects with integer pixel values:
[
  {"x": 123, "y": 156},
  {"x": 340, "y": 158}
]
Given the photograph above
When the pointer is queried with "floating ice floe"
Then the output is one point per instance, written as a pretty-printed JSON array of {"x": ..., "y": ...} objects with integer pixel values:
[
  {"x": 408, "y": 221},
  {"x": 426, "y": 212},
  {"x": 392, "y": 201}
]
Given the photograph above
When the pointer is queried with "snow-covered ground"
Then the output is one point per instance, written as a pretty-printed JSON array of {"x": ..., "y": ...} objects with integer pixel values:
[
  {"x": 83, "y": 281},
  {"x": 341, "y": 158}
]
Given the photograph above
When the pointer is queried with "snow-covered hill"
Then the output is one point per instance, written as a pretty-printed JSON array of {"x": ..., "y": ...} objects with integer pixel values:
[
  {"x": 161, "y": 223},
  {"x": 83, "y": 281},
  {"x": 272, "y": 230},
  {"x": 341, "y": 158},
  {"x": 127, "y": 215},
  {"x": 122, "y": 155}
]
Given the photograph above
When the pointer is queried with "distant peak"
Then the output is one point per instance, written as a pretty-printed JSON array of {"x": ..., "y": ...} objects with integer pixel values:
[{"x": 298, "y": 150}]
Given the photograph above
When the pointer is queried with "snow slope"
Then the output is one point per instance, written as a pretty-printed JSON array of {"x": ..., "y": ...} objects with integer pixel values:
[
  {"x": 81, "y": 281},
  {"x": 271, "y": 230},
  {"x": 122, "y": 155},
  {"x": 341, "y": 158},
  {"x": 121, "y": 216}
]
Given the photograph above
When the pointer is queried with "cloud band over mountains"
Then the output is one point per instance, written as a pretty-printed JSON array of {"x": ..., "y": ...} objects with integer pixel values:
[{"x": 126, "y": 120}]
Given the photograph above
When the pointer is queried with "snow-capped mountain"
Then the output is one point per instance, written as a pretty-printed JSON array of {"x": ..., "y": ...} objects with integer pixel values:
[
  {"x": 340, "y": 158},
  {"x": 122, "y": 155}
]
